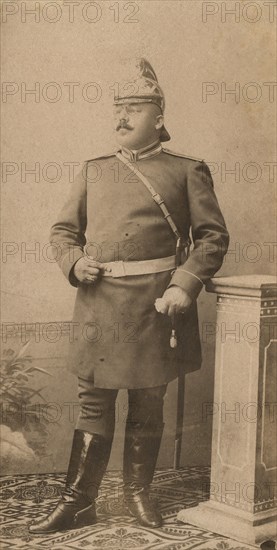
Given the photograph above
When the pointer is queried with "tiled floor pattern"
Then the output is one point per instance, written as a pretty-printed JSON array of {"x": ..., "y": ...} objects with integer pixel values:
[{"x": 25, "y": 498}]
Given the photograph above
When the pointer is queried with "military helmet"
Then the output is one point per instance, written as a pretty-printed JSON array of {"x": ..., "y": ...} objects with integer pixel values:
[{"x": 140, "y": 85}]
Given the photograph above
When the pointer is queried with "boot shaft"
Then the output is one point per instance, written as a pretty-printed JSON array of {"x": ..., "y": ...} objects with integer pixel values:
[
  {"x": 141, "y": 449},
  {"x": 87, "y": 465}
]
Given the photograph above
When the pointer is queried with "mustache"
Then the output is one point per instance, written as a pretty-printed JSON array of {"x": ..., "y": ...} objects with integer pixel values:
[{"x": 123, "y": 124}]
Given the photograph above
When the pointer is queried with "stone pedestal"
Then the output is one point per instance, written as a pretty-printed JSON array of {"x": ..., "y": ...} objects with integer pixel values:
[{"x": 242, "y": 503}]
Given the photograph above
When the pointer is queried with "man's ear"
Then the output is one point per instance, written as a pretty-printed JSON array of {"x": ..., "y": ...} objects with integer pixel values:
[{"x": 159, "y": 122}]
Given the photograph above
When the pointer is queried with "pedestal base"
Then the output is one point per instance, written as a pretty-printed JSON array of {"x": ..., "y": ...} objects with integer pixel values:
[{"x": 236, "y": 524}]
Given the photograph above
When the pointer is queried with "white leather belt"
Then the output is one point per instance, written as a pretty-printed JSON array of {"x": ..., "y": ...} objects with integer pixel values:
[{"x": 143, "y": 267}]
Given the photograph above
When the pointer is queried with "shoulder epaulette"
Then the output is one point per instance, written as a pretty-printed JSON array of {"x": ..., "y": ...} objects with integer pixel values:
[
  {"x": 102, "y": 157},
  {"x": 181, "y": 155}
]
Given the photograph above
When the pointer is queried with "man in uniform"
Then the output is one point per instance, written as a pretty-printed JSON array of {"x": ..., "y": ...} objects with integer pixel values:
[{"x": 125, "y": 252}]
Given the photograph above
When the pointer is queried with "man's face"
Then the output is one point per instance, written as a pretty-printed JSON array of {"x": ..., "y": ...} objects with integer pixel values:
[{"x": 137, "y": 124}]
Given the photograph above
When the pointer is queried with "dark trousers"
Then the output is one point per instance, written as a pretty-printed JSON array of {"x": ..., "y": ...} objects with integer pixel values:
[{"x": 97, "y": 414}]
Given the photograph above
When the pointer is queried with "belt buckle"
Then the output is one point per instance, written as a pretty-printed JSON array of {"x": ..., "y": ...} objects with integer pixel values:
[{"x": 118, "y": 269}]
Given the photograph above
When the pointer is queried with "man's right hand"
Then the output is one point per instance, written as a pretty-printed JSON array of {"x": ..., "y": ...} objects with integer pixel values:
[{"x": 86, "y": 270}]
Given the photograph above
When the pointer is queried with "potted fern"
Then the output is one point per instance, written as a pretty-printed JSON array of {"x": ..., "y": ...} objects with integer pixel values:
[{"x": 23, "y": 424}]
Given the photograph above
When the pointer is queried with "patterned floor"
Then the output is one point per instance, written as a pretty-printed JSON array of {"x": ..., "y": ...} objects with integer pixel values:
[{"x": 27, "y": 497}]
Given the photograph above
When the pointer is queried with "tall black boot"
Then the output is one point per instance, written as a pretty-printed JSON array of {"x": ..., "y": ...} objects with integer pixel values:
[
  {"x": 88, "y": 462},
  {"x": 141, "y": 449}
]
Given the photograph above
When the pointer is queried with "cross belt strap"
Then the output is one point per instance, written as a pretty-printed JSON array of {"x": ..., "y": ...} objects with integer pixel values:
[
  {"x": 160, "y": 202},
  {"x": 155, "y": 196}
]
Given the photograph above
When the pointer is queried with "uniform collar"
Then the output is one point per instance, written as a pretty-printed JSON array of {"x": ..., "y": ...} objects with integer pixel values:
[{"x": 146, "y": 152}]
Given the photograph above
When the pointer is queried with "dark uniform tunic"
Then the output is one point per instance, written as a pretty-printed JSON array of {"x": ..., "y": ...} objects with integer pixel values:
[{"x": 121, "y": 341}]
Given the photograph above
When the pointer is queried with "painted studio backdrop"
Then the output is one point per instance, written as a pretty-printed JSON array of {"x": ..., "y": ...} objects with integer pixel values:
[{"x": 60, "y": 73}]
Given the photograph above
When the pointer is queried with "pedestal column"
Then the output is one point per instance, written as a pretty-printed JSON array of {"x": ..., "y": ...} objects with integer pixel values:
[{"x": 242, "y": 503}]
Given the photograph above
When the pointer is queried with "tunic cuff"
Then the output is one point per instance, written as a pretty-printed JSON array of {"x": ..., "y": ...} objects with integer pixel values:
[
  {"x": 67, "y": 265},
  {"x": 187, "y": 281}
]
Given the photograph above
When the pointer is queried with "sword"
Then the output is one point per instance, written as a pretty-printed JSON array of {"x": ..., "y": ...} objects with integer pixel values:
[
  {"x": 179, "y": 419},
  {"x": 173, "y": 342},
  {"x": 180, "y": 404}
]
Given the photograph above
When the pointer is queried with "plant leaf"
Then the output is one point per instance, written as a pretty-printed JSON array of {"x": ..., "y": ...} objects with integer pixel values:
[
  {"x": 42, "y": 370},
  {"x": 22, "y": 350}
]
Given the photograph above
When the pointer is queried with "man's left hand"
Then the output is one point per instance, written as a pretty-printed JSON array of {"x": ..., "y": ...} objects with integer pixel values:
[{"x": 174, "y": 300}]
